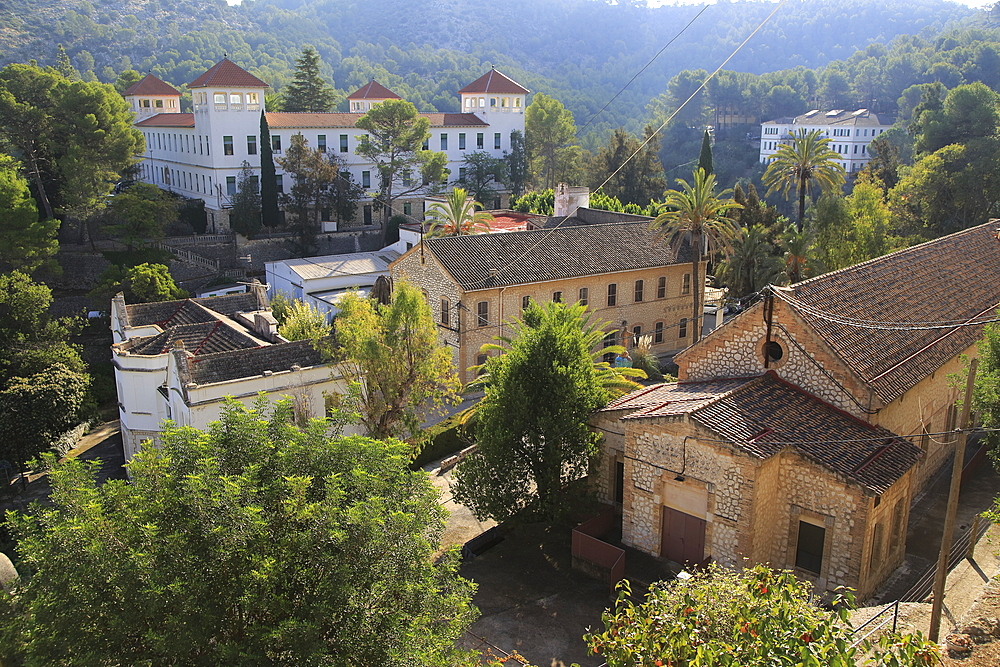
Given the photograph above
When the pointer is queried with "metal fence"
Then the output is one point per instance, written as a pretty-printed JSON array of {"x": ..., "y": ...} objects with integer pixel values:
[{"x": 959, "y": 550}]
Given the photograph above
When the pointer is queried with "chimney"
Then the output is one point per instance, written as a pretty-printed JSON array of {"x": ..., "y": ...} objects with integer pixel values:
[
  {"x": 569, "y": 199},
  {"x": 265, "y": 325}
]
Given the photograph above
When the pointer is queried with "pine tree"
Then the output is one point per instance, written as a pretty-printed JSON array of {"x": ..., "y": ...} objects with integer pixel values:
[
  {"x": 64, "y": 66},
  {"x": 270, "y": 217},
  {"x": 308, "y": 91},
  {"x": 705, "y": 158},
  {"x": 244, "y": 216}
]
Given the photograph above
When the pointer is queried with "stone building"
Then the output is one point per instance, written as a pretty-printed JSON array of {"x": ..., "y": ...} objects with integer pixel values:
[
  {"x": 828, "y": 404},
  {"x": 179, "y": 360},
  {"x": 756, "y": 468},
  {"x": 628, "y": 281}
]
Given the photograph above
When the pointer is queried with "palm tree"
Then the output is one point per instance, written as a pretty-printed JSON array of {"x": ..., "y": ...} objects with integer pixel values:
[
  {"x": 752, "y": 265},
  {"x": 457, "y": 216},
  {"x": 697, "y": 214},
  {"x": 807, "y": 159}
]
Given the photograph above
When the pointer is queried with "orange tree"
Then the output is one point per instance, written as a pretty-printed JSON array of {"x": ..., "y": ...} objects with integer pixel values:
[{"x": 745, "y": 618}]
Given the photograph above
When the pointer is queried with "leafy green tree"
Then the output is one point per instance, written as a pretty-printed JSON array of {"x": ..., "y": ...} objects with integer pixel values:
[
  {"x": 831, "y": 224},
  {"x": 141, "y": 212},
  {"x": 548, "y": 128},
  {"x": 393, "y": 355},
  {"x": 36, "y": 410},
  {"x": 986, "y": 395},
  {"x": 542, "y": 202},
  {"x": 799, "y": 255},
  {"x": 806, "y": 160},
  {"x": 254, "y": 543},
  {"x": 752, "y": 618},
  {"x": 312, "y": 176},
  {"x": 756, "y": 212},
  {"x": 705, "y": 157},
  {"x": 637, "y": 181},
  {"x": 151, "y": 282},
  {"x": 31, "y": 340},
  {"x": 303, "y": 322},
  {"x": 126, "y": 79},
  {"x": 244, "y": 216},
  {"x": 270, "y": 216},
  {"x": 517, "y": 164},
  {"x": 953, "y": 188},
  {"x": 883, "y": 167},
  {"x": 531, "y": 425},
  {"x": 457, "y": 216},
  {"x": 394, "y": 144},
  {"x": 697, "y": 215},
  {"x": 308, "y": 91},
  {"x": 968, "y": 113},
  {"x": 681, "y": 87},
  {"x": 751, "y": 265},
  {"x": 484, "y": 174},
  {"x": 26, "y": 243}
]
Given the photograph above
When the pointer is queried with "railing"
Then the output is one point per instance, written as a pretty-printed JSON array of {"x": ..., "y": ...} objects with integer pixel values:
[
  {"x": 588, "y": 547},
  {"x": 188, "y": 256},
  {"x": 200, "y": 239},
  {"x": 959, "y": 550},
  {"x": 875, "y": 627}
]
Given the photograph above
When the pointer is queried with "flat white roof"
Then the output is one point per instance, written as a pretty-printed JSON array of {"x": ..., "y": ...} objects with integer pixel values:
[{"x": 354, "y": 264}]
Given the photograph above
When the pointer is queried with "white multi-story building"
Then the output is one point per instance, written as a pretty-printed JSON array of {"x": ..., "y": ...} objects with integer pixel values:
[
  {"x": 850, "y": 132},
  {"x": 200, "y": 154}
]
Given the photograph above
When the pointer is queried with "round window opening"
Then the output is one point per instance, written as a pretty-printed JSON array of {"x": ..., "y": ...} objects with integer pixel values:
[{"x": 773, "y": 351}]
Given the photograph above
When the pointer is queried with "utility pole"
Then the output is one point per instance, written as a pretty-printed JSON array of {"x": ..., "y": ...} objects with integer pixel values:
[{"x": 949, "y": 519}]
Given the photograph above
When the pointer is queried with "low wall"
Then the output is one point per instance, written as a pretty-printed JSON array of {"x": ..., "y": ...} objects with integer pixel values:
[{"x": 595, "y": 557}]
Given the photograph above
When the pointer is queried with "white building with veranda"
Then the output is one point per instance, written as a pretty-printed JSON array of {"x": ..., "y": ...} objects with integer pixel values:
[
  {"x": 199, "y": 154},
  {"x": 850, "y": 133}
]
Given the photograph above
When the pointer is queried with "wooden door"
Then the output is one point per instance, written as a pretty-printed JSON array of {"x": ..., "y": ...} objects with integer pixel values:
[{"x": 682, "y": 537}]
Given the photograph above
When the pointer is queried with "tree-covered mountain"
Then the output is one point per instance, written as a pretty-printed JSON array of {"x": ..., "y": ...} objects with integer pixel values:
[{"x": 580, "y": 51}]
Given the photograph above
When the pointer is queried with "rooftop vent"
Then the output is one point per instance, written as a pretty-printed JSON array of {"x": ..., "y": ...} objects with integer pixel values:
[
  {"x": 859, "y": 112},
  {"x": 810, "y": 114},
  {"x": 834, "y": 112}
]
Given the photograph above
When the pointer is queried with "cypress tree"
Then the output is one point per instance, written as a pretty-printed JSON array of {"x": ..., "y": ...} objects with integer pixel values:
[
  {"x": 268, "y": 180},
  {"x": 64, "y": 66},
  {"x": 705, "y": 159}
]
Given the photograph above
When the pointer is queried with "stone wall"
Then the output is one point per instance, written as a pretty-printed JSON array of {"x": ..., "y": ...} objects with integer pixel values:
[
  {"x": 737, "y": 350},
  {"x": 505, "y": 303}
]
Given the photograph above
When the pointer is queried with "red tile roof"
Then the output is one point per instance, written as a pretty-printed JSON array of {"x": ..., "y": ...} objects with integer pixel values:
[
  {"x": 292, "y": 120},
  {"x": 495, "y": 82},
  {"x": 454, "y": 120},
  {"x": 764, "y": 415},
  {"x": 168, "y": 120},
  {"x": 373, "y": 90},
  {"x": 228, "y": 74},
  {"x": 150, "y": 85},
  {"x": 950, "y": 279}
]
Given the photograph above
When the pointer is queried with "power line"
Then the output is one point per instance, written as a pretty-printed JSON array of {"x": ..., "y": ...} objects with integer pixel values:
[
  {"x": 644, "y": 67},
  {"x": 886, "y": 326},
  {"x": 641, "y": 146}
]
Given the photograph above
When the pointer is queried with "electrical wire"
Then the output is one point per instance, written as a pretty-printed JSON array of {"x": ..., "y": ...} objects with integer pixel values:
[
  {"x": 644, "y": 67},
  {"x": 704, "y": 83},
  {"x": 885, "y": 326}
]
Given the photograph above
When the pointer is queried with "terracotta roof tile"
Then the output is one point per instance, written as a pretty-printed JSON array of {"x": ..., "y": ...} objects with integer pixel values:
[
  {"x": 765, "y": 415},
  {"x": 516, "y": 258},
  {"x": 199, "y": 338},
  {"x": 953, "y": 278},
  {"x": 228, "y": 74},
  {"x": 496, "y": 83},
  {"x": 235, "y": 364},
  {"x": 373, "y": 90},
  {"x": 454, "y": 120},
  {"x": 150, "y": 85},
  {"x": 168, "y": 120},
  {"x": 293, "y": 120},
  {"x": 189, "y": 311}
]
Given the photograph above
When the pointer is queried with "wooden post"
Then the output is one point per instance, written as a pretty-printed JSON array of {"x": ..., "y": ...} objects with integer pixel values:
[
  {"x": 949, "y": 519},
  {"x": 971, "y": 553}
]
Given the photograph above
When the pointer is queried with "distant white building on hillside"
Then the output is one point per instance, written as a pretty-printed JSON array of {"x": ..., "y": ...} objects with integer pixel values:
[
  {"x": 850, "y": 132},
  {"x": 199, "y": 155}
]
